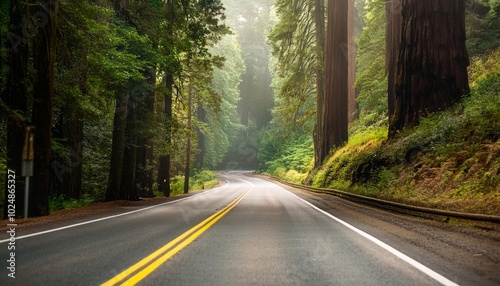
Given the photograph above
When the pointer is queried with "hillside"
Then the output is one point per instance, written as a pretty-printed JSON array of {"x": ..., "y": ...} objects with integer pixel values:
[{"x": 451, "y": 160}]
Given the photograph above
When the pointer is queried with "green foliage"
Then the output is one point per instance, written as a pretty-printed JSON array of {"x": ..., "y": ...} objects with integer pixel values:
[
  {"x": 224, "y": 125},
  {"x": 128, "y": 55},
  {"x": 286, "y": 153},
  {"x": 201, "y": 180},
  {"x": 96, "y": 150},
  {"x": 371, "y": 81},
  {"x": 61, "y": 203},
  {"x": 177, "y": 185},
  {"x": 483, "y": 26},
  {"x": 293, "y": 44}
]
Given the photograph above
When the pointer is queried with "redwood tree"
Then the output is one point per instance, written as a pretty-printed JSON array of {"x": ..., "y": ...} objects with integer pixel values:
[
  {"x": 393, "y": 36},
  {"x": 431, "y": 69},
  {"x": 44, "y": 56},
  {"x": 16, "y": 95},
  {"x": 335, "y": 111}
]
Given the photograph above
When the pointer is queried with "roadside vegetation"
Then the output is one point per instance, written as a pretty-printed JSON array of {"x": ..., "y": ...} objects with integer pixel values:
[
  {"x": 201, "y": 180},
  {"x": 450, "y": 160}
]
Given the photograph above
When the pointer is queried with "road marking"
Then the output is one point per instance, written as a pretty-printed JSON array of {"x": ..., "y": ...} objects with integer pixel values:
[
  {"x": 426, "y": 270},
  {"x": 111, "y": 217},
  {"x": 151, "y": 262}
]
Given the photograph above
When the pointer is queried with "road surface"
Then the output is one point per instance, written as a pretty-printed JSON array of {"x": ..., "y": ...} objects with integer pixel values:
[{"x": 247, "y": 231}]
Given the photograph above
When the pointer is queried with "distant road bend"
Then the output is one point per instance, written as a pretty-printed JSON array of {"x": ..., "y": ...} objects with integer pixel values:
[{"x": 248, "y": 231}]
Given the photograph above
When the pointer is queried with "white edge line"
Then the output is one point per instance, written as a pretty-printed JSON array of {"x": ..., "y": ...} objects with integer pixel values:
[
  {"x": 110, "y": 217},
  {"x": 426, "y": 270}
]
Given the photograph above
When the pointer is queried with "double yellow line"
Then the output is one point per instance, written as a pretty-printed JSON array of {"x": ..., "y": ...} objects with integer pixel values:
[{"x": 150, "y": 263}]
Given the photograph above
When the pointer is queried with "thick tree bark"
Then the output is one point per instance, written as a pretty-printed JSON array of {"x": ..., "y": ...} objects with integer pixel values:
[
  {"x": 163, "y": 178},
  {"x": 117, "y": 147},
  {"x": 320, "y": 79},
  {"x": 15, "y": 98},
  {"x": 44, "y": 56},
  {"x": 335, "y": 119},
  {"x": 393, "y": 38},
  {"x": 431, "y": 72}
]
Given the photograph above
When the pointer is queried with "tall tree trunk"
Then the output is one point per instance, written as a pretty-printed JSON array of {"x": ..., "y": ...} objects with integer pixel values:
[
  {"x": 320, "y": 79},
  {"x": 188, "y": 144},
  {"x": 144, "y": 153},
  {"x": 431, "y": 72},
  {"x": 44, "y": 57},
  {"x": 128, "y": 188},
  {"x": 16, "y": 97},
  {"x": 335, "y": 119},
  {"x": 163, "y": 179},
  {"x": 393, "y": 37},
  {"x": 114, "y": 189},
  {"x": 73, "y": 184},
  {"x": 117, "y": 147}
]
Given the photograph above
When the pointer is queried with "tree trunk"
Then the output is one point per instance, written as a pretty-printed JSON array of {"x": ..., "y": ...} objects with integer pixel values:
[
  {"x": 393, "y": 37},
  {"x": 114, "y": 190},
  {"x": 117, "y": 147},
  {"x": 44, "y": 57},
  {"x": 320, "y": 79},
  {"x": 188, "y": 144},
  {"x": 128, "y": 188},
  {"x": 431, "y": 73},
  {"x": 16, "y": 98},
  {"x": 75, "y": 143},
  {"x": 335, "y": 119},
  {"x": 144, "y": 153},
  {"x": 163, "y": 179}
]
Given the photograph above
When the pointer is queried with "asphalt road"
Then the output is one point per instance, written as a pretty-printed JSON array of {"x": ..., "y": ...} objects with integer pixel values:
[{"x": 246, "y": 232}]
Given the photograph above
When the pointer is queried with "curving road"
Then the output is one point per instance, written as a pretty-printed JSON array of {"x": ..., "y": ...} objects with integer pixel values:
[{"x": 246, "y": 232}]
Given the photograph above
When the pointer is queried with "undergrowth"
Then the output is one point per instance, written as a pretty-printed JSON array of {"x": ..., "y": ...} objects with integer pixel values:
[
  {"x": 61, "y": 202},
  {"x": 201, "y": 180}
]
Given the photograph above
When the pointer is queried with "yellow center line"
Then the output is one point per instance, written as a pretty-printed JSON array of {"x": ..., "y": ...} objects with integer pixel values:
[{"x": 197, "y": 230}]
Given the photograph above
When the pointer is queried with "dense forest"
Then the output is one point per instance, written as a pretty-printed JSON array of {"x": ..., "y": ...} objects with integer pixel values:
[{"x": 128, "y": 99}]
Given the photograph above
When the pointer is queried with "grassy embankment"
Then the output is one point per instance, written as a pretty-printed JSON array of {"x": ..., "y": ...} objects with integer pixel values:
[{"x": 451, "y": 160}]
